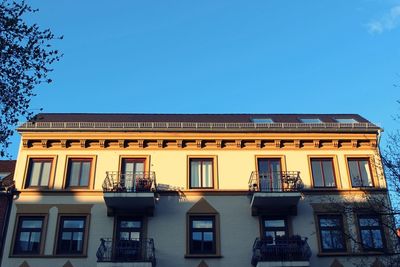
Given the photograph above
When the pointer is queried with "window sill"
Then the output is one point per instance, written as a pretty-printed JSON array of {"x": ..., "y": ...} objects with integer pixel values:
[{"x": 203, "y": 256}]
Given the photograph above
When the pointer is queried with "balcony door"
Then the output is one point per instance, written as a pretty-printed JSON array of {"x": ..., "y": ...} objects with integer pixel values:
[
  {"x": 132, "y": 170},
  {"x": 128, "y": 239},
  {"x": 269, "y": 174},
  {"x": 274, "y": 230}
]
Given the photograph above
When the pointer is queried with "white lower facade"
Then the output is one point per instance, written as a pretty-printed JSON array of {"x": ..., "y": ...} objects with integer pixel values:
[{"x": 238, "y": 229}]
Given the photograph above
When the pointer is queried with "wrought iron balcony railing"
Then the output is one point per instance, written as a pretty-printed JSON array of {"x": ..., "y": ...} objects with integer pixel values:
[
  {"x": 130, "y": 182},
  {"x": 278, "y": 181},
  {"x": 126, "y": 251},
  {"x": 284, "y": 248}
]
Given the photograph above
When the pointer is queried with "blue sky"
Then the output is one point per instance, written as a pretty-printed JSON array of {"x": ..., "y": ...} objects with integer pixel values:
[{"x": 274, "y": 56}]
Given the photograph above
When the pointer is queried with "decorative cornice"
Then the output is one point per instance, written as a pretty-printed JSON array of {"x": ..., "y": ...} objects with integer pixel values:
[{"x": 200, "y": 144}]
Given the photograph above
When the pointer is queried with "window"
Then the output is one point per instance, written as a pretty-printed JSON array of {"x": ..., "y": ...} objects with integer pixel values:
[
  {"x": 71, "y": 235},
  {"x": 28, "y": 236},
  {"x": 269, "y": 174},
  {"x": 273, "y": 228},
  {"x": 128, "y": 238},
  {"x": 262, "y": 120},
  {"x": 360, "y": 172},
  {"x": 346, "y": 120},
  {"x": 133, "y": 175},
  {"x": 201, "y": 173},
  {"x": 202, "y": 235},
  {"x": 331, "y": 233},
  {"x": 39, "y": 172},
  {"x": 78, "y": 174},
  {"x": 310, "y": 120},
  {"x": 370, "y": 232},
  {"x": 322, "y": 172}
]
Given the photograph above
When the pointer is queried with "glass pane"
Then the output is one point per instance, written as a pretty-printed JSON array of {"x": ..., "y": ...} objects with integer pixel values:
[
  {"x": 337, "y": 239},
  {"x": 128, "y": 167},
  {"x": 328, "y": 173},
  {"x": 32, "y": 224},
  {"x": 74, "y": 173},
  {"x": 66, "y": 236},
  {"x": 77, "y": 241},
  {"x": 46, "y": 168},
  {"x": 208, "y": 236},
  {"x": 326, "y": 239},
  {"x": 329, "y": 222},
  {"x": 65, "y": 246},
  {"x": 317, "y": 173},
  {"x": 365, "y": 174},
  {"x": 135, "y": 235},
  {"x": 263, "y": 166},
  {"x": 35, "y": 173},
  {"x": 124, "y": 236},
  {"x": 23, "y": 242},
  {"x": 280, "y": 233},
  {"x": 74, "y": 223},
  {"x": 130, "y": 224},
  {"x": 207, "y": 174},
  {"x": 366, "y": 239},
  {"x": 202, "y": 224},
  {"x": 311, "y": 120},
  {"x": 197, "y": 236},
  {"x": 208, "y": 246},
  {"x": 85, "y": 173},
  {"x": 274, "y": 223},
  {"x": 269, "y": 234},
  {"x": 34, "y": 242},
  {"x": 343, "y": 120},
  {"x": 354, "y": 173},
  {"x": 275, "y": 165},
  {"x": 377, "y": 236},
  {"x": 195, "y": 173},
  {"x": 139, "y": 167},
  {"x": 369, "y": 222}
]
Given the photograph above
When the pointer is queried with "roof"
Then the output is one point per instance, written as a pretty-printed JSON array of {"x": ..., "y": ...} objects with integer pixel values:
[
  {"x": 7, "y": 165},
  {"x": 222, "y": 118},
  {"x": 44, "y": 122}
]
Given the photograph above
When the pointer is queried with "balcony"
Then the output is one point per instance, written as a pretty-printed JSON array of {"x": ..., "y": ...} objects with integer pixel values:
[
  {"x": 275, "y": 192},
  {"x": 130, "y": 192},
  {"x": 126, "y": 253},
  {"x": 281, "y": 251}
]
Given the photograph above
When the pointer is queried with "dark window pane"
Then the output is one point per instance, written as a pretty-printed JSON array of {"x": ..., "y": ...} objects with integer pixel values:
[
  {"x": 73, "y": 224},
  {"x": 28, "y": 235},
  {"x": 274, "y": 223},
  {"x": 39, "y": 172},
  {"x": 71, "y": 236},
  {"x": 79, "y": 172},
  {"x": 202, "y": 240},
  {"x": 317, "y": 173},
  {"x": 326, "y": 239},
  {"x": 32, "y": 224},
  {"x": 203, "y": 224},
  {"x": 329, "y": 222},
  {"x": 201, "y": 173},
  {"x": 130, "y": 224},
  {"x": 331, "y": 233},
  {"x": 360, "y": 173},
  {"x": 377, "y": 236},
  {"x": 328, "y": 173},
  {"x": 371, "y": 232}
]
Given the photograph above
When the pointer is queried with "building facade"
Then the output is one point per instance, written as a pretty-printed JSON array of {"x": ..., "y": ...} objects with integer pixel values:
[
  {"x": 7, "y": 192},
  {"x": 199, "y": 190}
]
